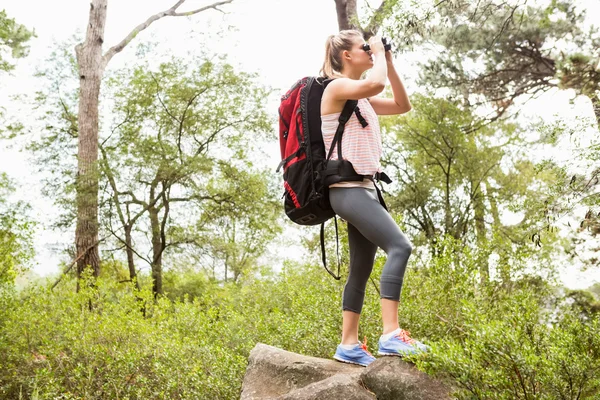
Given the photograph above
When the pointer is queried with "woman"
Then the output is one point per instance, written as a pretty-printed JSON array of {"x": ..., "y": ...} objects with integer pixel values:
[{"x": 369, "y": 224}]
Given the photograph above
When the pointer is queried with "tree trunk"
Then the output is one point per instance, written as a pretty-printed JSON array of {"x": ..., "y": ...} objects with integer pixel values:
[
  {"x": 157, "y": 250},
  {"x": 91, "y": 69},
  {"x": 447, "y": 205},
  {"x": 347, "y": 16},
  {"x": 503, "y": 259},
  {"x": 346, "y": 13},
  {"x": 596, "y": 105},
  {"x": 130, "y": 259},
  {"x": 479, "y": 209}
]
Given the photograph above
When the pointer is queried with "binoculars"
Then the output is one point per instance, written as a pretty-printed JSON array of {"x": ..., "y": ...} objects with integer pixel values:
[{"x": 387, "y": 46}]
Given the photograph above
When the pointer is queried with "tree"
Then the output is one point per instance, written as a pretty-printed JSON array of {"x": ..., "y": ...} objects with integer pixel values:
[
  {"x": 16, "y": 249},
  {"x": 15, "y": 229},
  {"x": 231, "y": 236},
  {"x": 169, "y": 160},
  {"x": 13, "y": 39},
  {"x": 494, "y": 52},
  {"x": 92, "y": 63},
  {"x": 452, "y": 184},
  {"x": 491, "y": 52}
]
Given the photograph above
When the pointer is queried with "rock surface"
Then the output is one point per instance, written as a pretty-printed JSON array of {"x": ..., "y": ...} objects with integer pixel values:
[{"x": 275, "y": 374}]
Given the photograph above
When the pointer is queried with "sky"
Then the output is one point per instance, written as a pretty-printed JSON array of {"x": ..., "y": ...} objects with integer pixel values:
[{"x": 281, "y": 40}]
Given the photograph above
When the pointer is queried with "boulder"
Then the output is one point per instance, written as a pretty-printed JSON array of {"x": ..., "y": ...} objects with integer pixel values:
[{"x": 276, "y": 374}]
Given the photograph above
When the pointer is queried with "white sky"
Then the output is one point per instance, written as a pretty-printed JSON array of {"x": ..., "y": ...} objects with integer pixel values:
[{"x": 282, "y": 40}]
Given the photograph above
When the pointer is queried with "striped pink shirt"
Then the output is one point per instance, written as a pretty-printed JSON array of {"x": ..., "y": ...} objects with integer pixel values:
[{"x": 361, "y": 146}]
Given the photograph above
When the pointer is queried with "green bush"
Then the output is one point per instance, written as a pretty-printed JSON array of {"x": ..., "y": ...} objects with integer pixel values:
[
  {"x": 491, "y": 341},
  {"x": 522, "y": 339},
  {"x": 128, "y": 346}
]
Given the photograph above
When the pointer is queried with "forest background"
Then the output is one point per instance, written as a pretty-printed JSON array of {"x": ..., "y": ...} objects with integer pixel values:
[{"x": 495, "y": 182}]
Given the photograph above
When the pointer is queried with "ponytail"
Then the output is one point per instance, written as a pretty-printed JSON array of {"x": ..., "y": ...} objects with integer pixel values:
[{"x": 335, "y": 44}]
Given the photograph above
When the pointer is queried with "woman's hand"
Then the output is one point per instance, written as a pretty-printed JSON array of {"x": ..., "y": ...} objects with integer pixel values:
[
  {"x": 376, "y": 45},
  {"x": 389, "y": 57}
]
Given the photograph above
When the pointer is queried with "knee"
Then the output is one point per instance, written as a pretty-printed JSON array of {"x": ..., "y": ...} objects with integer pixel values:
[{"x": 402, "y": 249}]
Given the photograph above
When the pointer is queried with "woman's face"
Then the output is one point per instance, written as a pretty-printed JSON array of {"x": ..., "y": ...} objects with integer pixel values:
[{"x": 359, "y": 58}]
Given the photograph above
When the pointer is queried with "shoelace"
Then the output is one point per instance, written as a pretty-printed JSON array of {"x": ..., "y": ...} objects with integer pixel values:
[
  {"x": 363, "y": 345},
  {"x": 405, "y": 337}
]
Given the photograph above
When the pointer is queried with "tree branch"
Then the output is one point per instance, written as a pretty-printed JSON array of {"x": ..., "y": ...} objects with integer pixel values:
[
  {"x": 172, "y": 12},
  {"x": 373, "y": 25}
]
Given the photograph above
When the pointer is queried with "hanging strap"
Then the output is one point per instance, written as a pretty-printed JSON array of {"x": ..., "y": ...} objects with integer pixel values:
[
  {"x": 361, "y": 119},
  {"x": 338, "y": 277},
  {"x": 291, "y": 156},
  {"x": 287, "y": 126},
  {"x": 380, "y": 176}
]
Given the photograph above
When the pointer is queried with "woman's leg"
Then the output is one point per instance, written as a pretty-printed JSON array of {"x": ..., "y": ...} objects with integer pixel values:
[
  {"x": 360, "y": 207},
  {"x": 362, "y": 256}
]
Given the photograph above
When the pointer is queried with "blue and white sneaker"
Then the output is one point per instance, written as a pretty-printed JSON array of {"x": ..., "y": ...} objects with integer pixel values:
[
  {"x": 400, "y": 344},
  {"x": 359, "y": 354},
  {"x": 421, "y": 346}
]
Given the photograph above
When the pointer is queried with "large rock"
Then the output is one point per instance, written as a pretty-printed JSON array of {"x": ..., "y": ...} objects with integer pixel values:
[
  {"x": 394, "y": 379},
  {"x": 275, "y": 374}
]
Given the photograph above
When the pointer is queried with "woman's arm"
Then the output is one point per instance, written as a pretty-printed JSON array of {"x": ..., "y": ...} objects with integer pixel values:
[
  {"x": 355, "y": 89},
  {"x": 400, "y": 104}
]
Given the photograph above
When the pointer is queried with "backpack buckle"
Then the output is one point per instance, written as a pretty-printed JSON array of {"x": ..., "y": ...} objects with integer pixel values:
[{"x": 382, "y": 176}]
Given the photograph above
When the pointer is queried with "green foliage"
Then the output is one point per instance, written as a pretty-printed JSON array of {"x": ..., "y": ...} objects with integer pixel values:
[
  {"x": 520, "y": 356},
  {"x": 495, "y": 340},
  {"x": 54, "y": 345},
  {"x": 62, "y": 349},
  {"x": 456, "y": 183},
  {"x": 182, "y": 137},
  {"x": 16, "y": 247},
  {"x": 498, "y": 341},
  {"x": 13, "y": 38},
  {"x": 176, "y": 139},
  {"x": 493, "y": 52}
]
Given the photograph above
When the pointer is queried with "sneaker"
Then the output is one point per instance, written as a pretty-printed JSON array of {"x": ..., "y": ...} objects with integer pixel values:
[
  {"x": 421, "y": 346},
  {"x": 401, "y": 344},
  {"x": 357, "y": 355}
]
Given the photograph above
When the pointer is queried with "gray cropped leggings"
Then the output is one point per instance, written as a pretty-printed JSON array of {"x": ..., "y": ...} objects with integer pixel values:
[{"x": 370, "y": 226}]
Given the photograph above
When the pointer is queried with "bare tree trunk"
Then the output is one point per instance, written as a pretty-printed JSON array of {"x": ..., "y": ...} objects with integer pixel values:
[
  {"x": 126, "y": 224},
  {"x": 447, "y": 205},
  {"x": 130, "y": 259},
  {"x": 346, "y": 14},
  {"x": 157, "y": 250},
  {"x": 91, "y": 68}
]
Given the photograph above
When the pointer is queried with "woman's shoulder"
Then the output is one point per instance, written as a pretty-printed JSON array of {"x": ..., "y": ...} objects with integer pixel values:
[{"x": 337, "y": 81}]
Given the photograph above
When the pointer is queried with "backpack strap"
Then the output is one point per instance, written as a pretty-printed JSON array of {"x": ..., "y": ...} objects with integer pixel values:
[
  {"x": 349, "y": 108},
  {"x": 338, "y": 277}
]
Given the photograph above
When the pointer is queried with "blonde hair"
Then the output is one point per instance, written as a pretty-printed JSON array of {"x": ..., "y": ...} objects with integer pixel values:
[{"x": 334, "y": 46}]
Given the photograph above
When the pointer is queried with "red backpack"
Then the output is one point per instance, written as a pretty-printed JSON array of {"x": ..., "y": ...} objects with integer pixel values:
[{"x": 307, "y": 171}]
